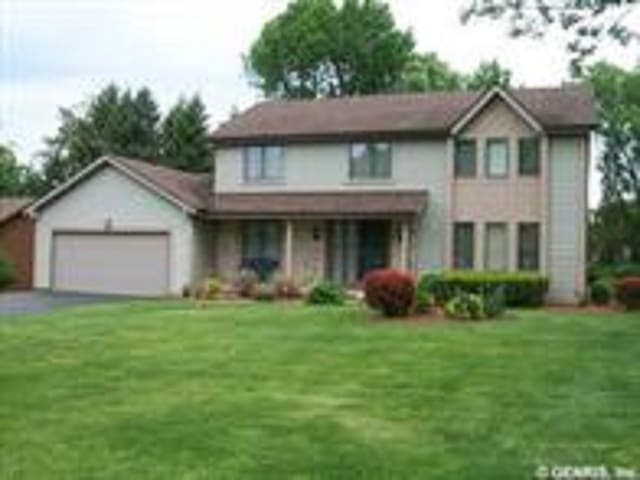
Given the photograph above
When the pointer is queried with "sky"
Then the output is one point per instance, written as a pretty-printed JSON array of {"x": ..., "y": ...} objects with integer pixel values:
[{"x": 57, "y": 53}]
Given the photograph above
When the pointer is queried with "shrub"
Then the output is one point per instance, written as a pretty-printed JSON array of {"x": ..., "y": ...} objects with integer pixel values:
[
  {"x": 600, "y": 292},
  {"x": 6, "y": 273},
  {"x": 391, "y": 291},
  {"x": 212, "y": 287},
  {"x": 465, "y": 306},
  {"x": 287, "y": 288},
  {"x": 520, "y": 289},
  {"x": 264, "y": 292},
  {"x": 326, "y": 293},
  {"x": 494, "y": 302},
  {"x": 628, "y": 292},
  {"x": 245, "y": 282},
  {"x": 428, "y": 292},
  {"x": 263, "y": 267}
]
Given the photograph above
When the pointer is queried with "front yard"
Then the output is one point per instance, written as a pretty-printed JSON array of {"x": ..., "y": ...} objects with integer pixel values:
[{"x": 168, "y": 391}]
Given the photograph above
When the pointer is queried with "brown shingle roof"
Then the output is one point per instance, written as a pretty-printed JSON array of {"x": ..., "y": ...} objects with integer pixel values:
[
  {"x": 398, "y": 202},
  {"x": 397, "y": 114},
  {"x": 9, "y": 206}
]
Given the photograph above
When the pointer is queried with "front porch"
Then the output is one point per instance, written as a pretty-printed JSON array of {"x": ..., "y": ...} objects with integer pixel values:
[{"x": 341, "y": 250}]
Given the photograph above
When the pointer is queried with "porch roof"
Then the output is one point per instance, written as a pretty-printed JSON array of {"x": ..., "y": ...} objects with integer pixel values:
[{"x": 335, "y": 203}]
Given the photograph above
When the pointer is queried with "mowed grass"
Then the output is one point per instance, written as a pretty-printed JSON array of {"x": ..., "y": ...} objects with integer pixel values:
[{"x": 166, "y": 390}]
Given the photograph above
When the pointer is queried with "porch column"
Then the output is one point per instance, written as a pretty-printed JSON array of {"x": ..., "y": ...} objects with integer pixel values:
[
  {"x": 288, "y": 249},
  {"x": 404, "y": 245}
]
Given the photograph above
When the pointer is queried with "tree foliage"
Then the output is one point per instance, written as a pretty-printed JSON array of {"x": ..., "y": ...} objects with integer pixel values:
[
  {"x": 487, "y": 75},
  {"x": 128, "y": 123},
  {"x": 17, "y": 179},
  {"x": 618, "y": 219},
  {"x": 317, "y": 49},
  {"x": 184, "y": 141},
  {"x": 589, "y": 22}
]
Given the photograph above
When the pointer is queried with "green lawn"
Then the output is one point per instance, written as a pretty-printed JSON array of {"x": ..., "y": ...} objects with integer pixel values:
[{"x": 169, "y": 391}]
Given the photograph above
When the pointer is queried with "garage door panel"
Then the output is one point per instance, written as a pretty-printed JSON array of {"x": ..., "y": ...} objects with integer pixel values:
[{"x": 132, "y": 264}]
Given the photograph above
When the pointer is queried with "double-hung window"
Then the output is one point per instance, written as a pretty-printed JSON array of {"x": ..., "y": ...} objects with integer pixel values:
[
  {"x": 370, "y": 161},
  {"x": 529, "y": 246},
  {"x": 261, "y": 239},
  {"x": 497, "y": 158},
  {"x": 496, "y": 246},
  {"x": 465, "y": 158},
  {"x": 463, "y": 245},
  {"x": 264, "y": 163},
  {"x": 529, "y": 156}
]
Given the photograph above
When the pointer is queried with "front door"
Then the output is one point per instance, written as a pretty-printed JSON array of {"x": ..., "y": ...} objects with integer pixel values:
[{"x": 373, "y": 245}]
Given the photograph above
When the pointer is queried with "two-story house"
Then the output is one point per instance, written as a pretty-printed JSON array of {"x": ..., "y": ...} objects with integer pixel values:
[{"x": 330, "y": 189}]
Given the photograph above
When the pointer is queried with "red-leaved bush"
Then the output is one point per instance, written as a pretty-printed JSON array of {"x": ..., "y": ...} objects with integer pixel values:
[
  {"x": 628, "y": 292},
  {"x": 391, "y": 291}
]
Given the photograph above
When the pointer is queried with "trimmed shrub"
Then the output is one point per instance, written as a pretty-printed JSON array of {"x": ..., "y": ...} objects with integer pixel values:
[
  {"x": 495, "y": 303},
  {"x": 465, "y": 306},
  {"x": 600, "y": 292},
  {"x": 628, "y": 292},
  {"x": 326, "y": 293},
  {"x": 212, "y": 287},
  {"x": 6, "y": 273},
  {"x": 520, "y": 289},
  {"x": 428, "y": 292},
  {"x": 245, "y": 282},
  {"x": 391, "y": 291},
  {"x": 264, "y": 292}
]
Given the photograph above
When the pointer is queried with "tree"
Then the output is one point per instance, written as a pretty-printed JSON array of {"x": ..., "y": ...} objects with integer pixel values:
[
  {"x": 589, "y": 22},
  {"x": 16, "y": 179},
  {"x": 428, "y": 73},
  {"x": 316, "y": 49},
  {"x": 114, "y": 122},
  {"x": 618, "y": 94},
  {"x": 488, "y": 75},
  {"x": 184, "y": 139}
]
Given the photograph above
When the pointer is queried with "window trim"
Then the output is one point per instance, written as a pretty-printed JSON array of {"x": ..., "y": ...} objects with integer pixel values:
[
  {"x": 360, "y": 179},
  {"x": 521, "y": 140},
  {"x": 263, "y": 155},
  {"x": 505, "y": 226},
  {"x": 454, "y": 262},
  {"x": 538, "y": 245},
  {"x": 456, "y": 172},
  {"x": 487, "y": 143}
]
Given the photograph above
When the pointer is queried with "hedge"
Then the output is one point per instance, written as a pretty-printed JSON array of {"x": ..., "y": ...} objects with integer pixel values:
[
  {"x": 521, "y": 289},
  {"x": 628, "y": 292}
]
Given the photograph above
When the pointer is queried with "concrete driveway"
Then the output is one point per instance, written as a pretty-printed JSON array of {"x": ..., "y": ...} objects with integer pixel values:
[{"x": 23, "y": 303}]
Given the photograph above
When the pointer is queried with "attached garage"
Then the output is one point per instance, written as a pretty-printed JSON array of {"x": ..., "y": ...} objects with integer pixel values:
[{"x": 116, "y": 263}]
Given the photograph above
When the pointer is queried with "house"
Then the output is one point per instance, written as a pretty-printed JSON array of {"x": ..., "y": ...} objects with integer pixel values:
[
  {"x": 16, "y": 239},
  {"x": 333, "y": 188}
]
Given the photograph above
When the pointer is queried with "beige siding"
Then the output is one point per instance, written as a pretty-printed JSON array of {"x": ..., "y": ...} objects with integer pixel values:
[
  {"x": 308, "y": 253},
  {"x": 111, "y": 199},
  {"x": 568, "y": 167},
  {"x": 228, "y": 249}
]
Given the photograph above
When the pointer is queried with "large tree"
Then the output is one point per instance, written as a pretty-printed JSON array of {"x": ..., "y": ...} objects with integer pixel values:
[
  {"x": 17, "y": 179},
  {"x": 487, "y": 75},
  {"x": 115, "y": 121},
  {"x": 184, "y": 139},
  {"x": 588, "y": 22},
  {"x": 618, "y": 94},
  {"x": 318, "y": 49}
]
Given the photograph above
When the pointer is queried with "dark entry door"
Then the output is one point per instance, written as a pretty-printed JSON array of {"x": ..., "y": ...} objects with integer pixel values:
[{"x": 373, "y": 246}]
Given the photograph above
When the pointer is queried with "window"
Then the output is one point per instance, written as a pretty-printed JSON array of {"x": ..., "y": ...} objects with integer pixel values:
[
  {"x": 263, "y": 163},
  {"x": 496, "y": 246},
  {"x": 528, "y": 246},
  {"x": 261, "y": 240},
  {"x": 463, "y": 245},
  {"x": 529, "y": 156},
  {"x": 370, "y": 161},
  {"x": 465, "y": 158},
  {"x": 497, "y": 157}
]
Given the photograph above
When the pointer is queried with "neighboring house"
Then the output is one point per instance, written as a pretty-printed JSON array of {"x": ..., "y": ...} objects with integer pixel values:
[
  {"x": 334, "y": 188},
  {"x": 16, "y": 240}
]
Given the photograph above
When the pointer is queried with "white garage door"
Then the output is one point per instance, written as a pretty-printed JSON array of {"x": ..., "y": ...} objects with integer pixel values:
[{"x": 122, "y": 263}]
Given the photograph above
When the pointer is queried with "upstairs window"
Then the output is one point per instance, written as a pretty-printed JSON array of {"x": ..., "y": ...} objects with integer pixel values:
[
  {"x": 465, "y": 158},
  {"x": 497, "y": 158},
  {"x": 370, "y": 161},
  {"x": 264, "y": 164},
  {"x": 463, "y": 245},
  {"x": 529, "y": 156}
]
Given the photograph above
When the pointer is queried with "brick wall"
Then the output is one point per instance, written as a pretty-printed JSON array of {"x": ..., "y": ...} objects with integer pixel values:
[{"x": 16, "y": 243}]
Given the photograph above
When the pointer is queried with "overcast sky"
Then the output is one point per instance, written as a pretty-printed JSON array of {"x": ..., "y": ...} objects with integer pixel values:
[{"x": 57, "y": 52}]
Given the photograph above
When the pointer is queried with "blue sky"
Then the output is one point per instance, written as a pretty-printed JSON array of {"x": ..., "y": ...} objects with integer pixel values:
[{"x": 57, "y": 52}]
